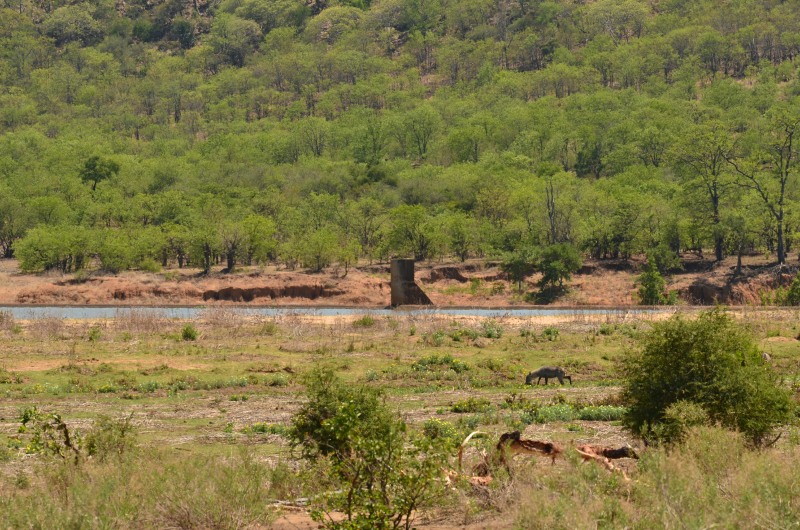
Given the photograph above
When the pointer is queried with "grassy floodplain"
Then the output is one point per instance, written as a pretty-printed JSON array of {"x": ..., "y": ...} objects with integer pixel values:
[{"x": 209, "y": 401}]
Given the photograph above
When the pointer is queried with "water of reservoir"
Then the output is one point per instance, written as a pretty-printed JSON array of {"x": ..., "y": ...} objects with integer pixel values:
[{"x": 97, "y": 312}]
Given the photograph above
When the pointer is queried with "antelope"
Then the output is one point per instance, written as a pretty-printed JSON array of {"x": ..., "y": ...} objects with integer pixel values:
[
  {"x": 604, "y": 455},
  {"x": 511, "y": 441},
  {"x": 548, "y": 372}
]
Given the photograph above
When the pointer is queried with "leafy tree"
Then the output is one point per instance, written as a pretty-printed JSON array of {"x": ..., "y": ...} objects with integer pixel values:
[
  {"x": 364, "y": 220},
  {"x": 73, "y": 23},
  {"x": 519, "y": 264},
  {"x": 462, "y": 232},
  {"x": 314, "y": 135},
  {"x": 703, "y": 153},
  {"x": 97, "y": 169},
  {"x": 232, "y": 39},
  {"x": 204, "y": 246},
  {"x": 420, "y": 125},
  {"x": 259, "y": 239},
  {"x": 709, "y": 361},
  {"x": 652, "y": 287},
  {"x": 12, "y": 223},
  {"x": 63, "y": 248},
  {"x": 557, "y": 263},
  {"x": 319, "y": 249},
  {"x": 115, "y": 251},
  {"x": 770, "y": 168},
  {"x": 413, "y": 232},
  {"x": 232, "y": 240}
]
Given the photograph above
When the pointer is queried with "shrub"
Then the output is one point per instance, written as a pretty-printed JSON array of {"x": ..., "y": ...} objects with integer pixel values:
[
  {"x": 679, "y": 419},
  {"x": 492, "y": 330},
  {"x": 269, "y": 328},
  {"x": 94, "y": 334},
  {"x": 48, "y": 434},
  {"x": 189, "y": 332},
  {"x": 323, "y": 425},
  {"x": 383, "y": 474},
  {"x": 433, "y": 362},
  {"x": 434, "y": 339},
  {"x": 664, "y": 259},
  {"x": 364, "y": 322},
  {"x": 276, "y": 380},
  {"x": 652, "y": 288},
  {"x": 550, "y": 334},
  {"x": 710, "y": 362},
  {"x": 110, "y": 438},
  {"x": 548, "y": 414},
  {"x": 437, "y": 429},
  {"x": 471, "y": 405},
  {"x": 460, "y": 333},
  {"x": 792, "y": 296}
]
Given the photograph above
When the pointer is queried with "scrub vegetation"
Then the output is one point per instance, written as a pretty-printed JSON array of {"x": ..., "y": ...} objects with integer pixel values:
[{"x": 136, "y": 427}]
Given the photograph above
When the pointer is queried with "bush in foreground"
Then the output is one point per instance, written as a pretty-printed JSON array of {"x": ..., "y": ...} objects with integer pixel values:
[
  {"x": 382, "y": 473},
  {"x": 710, "y": 362}
]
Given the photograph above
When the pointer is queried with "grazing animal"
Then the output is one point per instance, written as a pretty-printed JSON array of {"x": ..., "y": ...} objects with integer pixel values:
[
  {"x": 547, "y": 373},
  {"x": 604, "y": 455},
  {"x": 608, "y": 452},
  {"x": 511, "y": 441}
]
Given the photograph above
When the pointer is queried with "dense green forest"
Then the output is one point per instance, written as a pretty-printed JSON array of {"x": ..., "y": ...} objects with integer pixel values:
[{"x": 139, "y": 134}]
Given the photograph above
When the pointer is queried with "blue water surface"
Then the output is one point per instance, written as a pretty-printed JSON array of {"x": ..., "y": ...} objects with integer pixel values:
[{"x": 99, "y": 312}]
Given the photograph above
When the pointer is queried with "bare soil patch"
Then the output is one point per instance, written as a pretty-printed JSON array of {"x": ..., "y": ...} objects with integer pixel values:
[{"x": 473, "y": 283}]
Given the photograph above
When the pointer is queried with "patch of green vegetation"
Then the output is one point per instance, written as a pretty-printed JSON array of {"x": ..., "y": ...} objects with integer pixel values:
[
  {"x": 471, "y": 406},
  {"x": 439, "y": 362},
  {"x": 189, "y": 332},
  {"x": 367, "y": 321}
]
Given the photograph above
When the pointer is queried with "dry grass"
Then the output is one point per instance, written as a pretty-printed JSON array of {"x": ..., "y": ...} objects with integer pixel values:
[
  {"x": 223, "y": 317},
  {"x": 48, "y": 328},
  {"x": 134, "y": 320}
]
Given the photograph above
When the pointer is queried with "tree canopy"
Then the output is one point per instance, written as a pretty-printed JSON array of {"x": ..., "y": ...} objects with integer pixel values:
[{"x": 395, "y": 128}]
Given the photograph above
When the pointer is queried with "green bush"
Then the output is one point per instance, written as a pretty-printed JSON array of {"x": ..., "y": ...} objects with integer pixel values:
[
  {"x": 269, "y": 328},
  {"x": 679, "y": 419},
  {"x": 652, "y": 287},
  {"x": 711, "y": 362},
  {"x": 381, "y": 473},
  {"x": 548, "y": 414},
  {"x": 492, "y": 330},
  {"x": 323, "y": 425},
  {"x": 94, "y": 334},
  {"x": 438, "y": 362},
  {"x": 110, "y": 438},
  {"x": 189, "y": 332},
  {"x": 550, "y": 334},
  {"x": 434, "y": 339},
  {"x": 664, "y": 259},
  {"x": 364, "y": 322},
  {"x": 792, "y": 296},
  {"x": 437, "y": 429},
  {"x": 558, "y": 263}
]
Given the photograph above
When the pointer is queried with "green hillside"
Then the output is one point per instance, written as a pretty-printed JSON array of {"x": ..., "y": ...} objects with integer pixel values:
[{"x": 143, "y": 134}]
